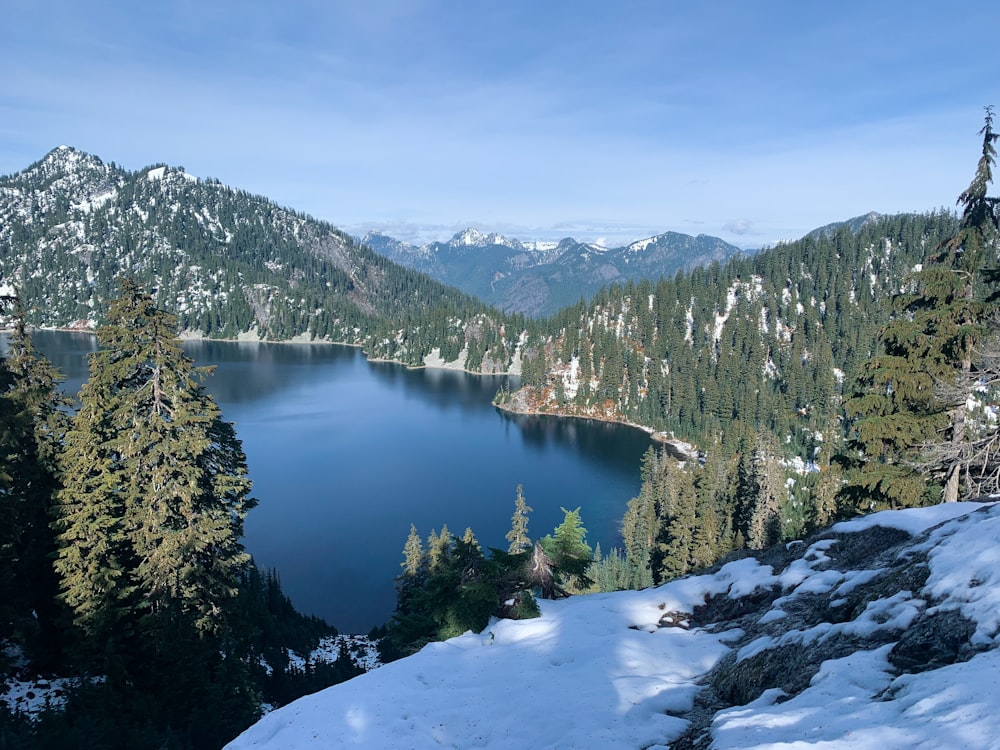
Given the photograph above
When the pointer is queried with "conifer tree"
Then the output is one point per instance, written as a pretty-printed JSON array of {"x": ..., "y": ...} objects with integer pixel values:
[
  {"x": 825, "y": 486},
  {"x": 151, "y": 512},
  {"x": 469, "y": 539},
  {"x": 613, "y": 572},
  {"x": 93, "y": 559},
  {"x": 10, "y": 435},
  {"x": 914, "y": 397},
  {"x": 438, "y": 546},
  {"x": 677, "y": 538},
  {"x": 706, "y": 536},
  {"x": 960, "y": 311},
  {"x": 518, "y": 534},
  {"x": 34, "y": 418},
  {"x": 413, "y": 554},
  {"x": 569, "y": 552},
  {"x": 458, "y": 591},
  {"x": 891, "y": 412},
  {"x": 760, "y": 493}
]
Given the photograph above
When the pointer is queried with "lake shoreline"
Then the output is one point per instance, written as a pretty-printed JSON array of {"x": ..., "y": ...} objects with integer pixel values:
[
  {"x": 678, "y": 448},
  {"x": 346, "y": 454}
]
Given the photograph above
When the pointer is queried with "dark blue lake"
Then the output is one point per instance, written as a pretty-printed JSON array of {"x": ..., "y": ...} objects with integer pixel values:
[{"x": 345, "y": 454}]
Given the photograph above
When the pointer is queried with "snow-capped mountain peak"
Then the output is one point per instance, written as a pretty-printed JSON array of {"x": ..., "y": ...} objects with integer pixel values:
[
  {"x": 639, "y": 245},
  {"x": 472, "y": 237},
  {"x": 62, "y": 162}
]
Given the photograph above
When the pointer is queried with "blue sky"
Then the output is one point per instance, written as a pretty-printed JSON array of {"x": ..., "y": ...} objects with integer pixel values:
[{"x": 613, "y": 121}]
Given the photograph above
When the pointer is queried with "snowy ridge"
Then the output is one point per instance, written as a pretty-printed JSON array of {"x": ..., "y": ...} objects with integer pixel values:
[
  {"x": 640, "y": 245},
  {"x": 91, "y": 221},
  {"x": 474, "y": 238},
  {"x": 540, "y": 245},
  {"x": 538, "y": 277},
  {"x": 881, "y": 632}
]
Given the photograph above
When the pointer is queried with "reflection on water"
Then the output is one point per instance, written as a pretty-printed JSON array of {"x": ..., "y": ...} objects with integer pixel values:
[
  {"x": 596, "y": 441},
  {"x": 346, "y": 454},
  {"x": 445, "y": 389}
]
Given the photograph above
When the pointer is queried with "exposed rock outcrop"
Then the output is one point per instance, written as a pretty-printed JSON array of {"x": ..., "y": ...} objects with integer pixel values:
[{"x": 832, "y": 595}]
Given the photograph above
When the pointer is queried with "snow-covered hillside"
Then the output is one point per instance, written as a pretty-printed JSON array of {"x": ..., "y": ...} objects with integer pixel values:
[{"x": 881, "y": 633}]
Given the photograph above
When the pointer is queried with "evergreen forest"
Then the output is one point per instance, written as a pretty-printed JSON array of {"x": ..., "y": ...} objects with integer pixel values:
[
  {"x": 847, "y": 372},
  {"x": 121, "y": 561},
  {"x": 852, "y": 371},
  {"x": 225, "y": 263}
]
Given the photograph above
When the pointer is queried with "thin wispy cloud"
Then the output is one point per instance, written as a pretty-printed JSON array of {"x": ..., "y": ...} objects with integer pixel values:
[
  {"x": 739, "y": 227},
  {"x": 639, "y": 117}
]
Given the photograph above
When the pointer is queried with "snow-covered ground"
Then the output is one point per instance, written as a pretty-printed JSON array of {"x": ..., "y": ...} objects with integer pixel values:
[
  {"x": 362, "y": 650},
  {"x": 622, "y": 670},
  {"x": 595, "y": 671},
  {"x": 30, "y": 697}
]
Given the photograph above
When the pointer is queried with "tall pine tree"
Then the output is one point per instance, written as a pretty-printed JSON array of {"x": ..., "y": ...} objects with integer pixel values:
[
  {"x": 156, "y": 489},
  {"x": 518, "y": 534},
  {"x": 909, "y": 412},
  {"x": 962, "y": 309},
  {"x": 32, "y": 425}
]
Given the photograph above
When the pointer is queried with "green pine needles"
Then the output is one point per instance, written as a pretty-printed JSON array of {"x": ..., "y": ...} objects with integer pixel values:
[
  {"x": 913, "y": 416},
  {"x": 156, "y": 490}
]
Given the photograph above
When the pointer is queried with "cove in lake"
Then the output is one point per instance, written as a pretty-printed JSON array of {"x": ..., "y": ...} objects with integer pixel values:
[{"x": 345, "y": 454}]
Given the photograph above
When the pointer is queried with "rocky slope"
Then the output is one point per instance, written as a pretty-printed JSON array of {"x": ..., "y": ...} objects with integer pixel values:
[{"x": 880, "y": 632}]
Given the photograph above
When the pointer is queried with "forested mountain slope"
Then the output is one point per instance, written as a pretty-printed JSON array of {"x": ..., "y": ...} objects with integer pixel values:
[
  {"x": 227, "y": 263},
  {"x": 767, "y": 341}
]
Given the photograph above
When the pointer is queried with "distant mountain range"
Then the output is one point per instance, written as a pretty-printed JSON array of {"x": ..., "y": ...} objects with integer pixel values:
[
  {"x": 540, "y": 278},
  {"x": 234, "y": 265}
]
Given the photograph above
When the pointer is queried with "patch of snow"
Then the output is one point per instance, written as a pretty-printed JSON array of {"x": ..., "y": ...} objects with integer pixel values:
[
  {"x": 772, "y": 615},
  {"x": 602, "y": 670},
  {"x": 31, "y": 697},
  {"x": 896, "y": 612},
  {"x": 855, "y": 578},
  {"x": 964, "y": 560},
  {"x": 95, "y": 201},
  {"x": 508, "y": 690},
  {"x": 911, "y": 520},
  {"x": 639, "y": 245},
  {"x": 854, "y": 704},
  {"x": 571, "y": 378}
]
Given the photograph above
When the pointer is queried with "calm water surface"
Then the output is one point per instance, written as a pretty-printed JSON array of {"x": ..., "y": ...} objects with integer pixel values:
[{"x": 345, "y": 454}]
